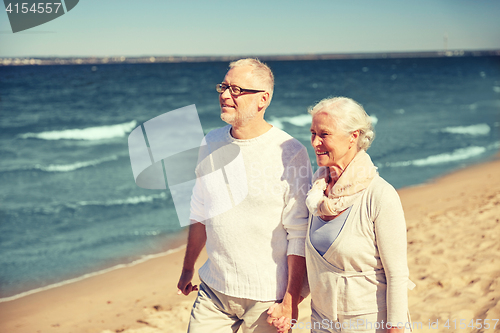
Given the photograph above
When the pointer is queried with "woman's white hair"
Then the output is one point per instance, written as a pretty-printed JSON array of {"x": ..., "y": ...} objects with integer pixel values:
[
  {"x": 260, "y": 70},
  {"x": 349, "y": 116}
]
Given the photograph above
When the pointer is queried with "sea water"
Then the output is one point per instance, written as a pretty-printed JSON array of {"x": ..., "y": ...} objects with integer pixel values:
[{"x": 69, "y": 205}]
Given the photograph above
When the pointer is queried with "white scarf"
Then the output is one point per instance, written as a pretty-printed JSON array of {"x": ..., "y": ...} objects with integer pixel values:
[{"x": 355, "y": 178}]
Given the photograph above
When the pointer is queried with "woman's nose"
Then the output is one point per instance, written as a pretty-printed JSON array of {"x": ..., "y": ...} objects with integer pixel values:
[{"x": 316, "y": 141}]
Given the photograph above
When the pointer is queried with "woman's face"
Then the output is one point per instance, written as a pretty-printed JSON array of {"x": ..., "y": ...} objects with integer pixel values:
[{"x": 332, "y": 146}]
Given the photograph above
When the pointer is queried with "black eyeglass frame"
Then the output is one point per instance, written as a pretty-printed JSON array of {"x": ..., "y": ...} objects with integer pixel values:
[{"x": 220, "y": 90}]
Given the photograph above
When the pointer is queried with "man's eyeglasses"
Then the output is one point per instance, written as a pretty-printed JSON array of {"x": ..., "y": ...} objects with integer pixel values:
[{"x": 234, "y": 90}]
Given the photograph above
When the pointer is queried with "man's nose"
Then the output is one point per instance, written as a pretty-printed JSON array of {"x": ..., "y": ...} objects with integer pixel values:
[{"x": 226, "y": 94}]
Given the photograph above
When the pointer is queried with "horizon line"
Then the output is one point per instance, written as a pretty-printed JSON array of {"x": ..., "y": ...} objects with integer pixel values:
[{"x": 101, "y": 60}]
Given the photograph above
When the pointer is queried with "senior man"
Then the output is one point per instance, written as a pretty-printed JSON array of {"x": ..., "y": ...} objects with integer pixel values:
[{"x": 256, "y": 249}]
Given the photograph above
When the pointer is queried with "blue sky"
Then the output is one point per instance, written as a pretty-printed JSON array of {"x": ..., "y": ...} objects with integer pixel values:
[{"x": 238, "y": 27}]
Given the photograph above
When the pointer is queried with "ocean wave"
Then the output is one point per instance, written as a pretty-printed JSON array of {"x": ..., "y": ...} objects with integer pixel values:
[
  {"x": 89, "y": 133},
  {"x": 494, "y": 146},
  {"x": 299, "y": 121},
  {"x": 127, "y": 201},
  {"x": 456, "y": 155},
  {"x": 63, "y": 167},
  {"x": 479, "y": 129},
  {"x": 74, "y": 166},
  {"x": 58, "y": 207}
]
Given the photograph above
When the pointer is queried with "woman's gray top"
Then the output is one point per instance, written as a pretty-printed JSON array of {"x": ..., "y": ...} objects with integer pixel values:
[{"x": 324, "y": 233}]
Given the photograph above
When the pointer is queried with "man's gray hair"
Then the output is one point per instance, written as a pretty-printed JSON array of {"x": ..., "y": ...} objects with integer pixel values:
[
  {"x": 259, "y": 70},
  {"x": 349, "y": 116}
]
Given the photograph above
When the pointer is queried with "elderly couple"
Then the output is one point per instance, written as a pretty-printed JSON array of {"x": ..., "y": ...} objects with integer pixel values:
[{"x": 348, "y": 228}]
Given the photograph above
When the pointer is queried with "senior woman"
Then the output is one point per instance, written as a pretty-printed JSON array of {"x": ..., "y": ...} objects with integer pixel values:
[{"x": 356, "y": 244}]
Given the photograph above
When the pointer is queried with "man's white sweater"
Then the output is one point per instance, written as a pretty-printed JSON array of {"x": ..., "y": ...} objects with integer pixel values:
[{"x": 248, "y": 244}]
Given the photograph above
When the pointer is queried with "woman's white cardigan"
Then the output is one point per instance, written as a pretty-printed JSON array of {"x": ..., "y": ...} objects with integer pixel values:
[{"x": 365, "y": 270}]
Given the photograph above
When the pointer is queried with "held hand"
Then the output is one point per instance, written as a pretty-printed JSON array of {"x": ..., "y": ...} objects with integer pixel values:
[
  {"x": 185, "y": 286},
  {"x": 280, "y": 316}
]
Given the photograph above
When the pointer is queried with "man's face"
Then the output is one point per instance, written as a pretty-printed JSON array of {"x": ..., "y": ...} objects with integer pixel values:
[{"x": 238, "y": 110}]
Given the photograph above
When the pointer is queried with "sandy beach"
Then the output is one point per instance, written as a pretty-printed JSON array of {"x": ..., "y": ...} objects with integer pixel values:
[{"x": 453, "y": 255}]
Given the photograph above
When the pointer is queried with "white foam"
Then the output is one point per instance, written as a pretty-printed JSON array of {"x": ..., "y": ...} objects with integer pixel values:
[
  {"x": 479, "y": 129},
  {"x": 62, "y": 167},
  {"x": 83, "y": 277},
  {"x": 496, "y": 89},
  {"x": 299, "y": 121},
  {"x": 73, "y": 166},
  {"x": 456, "y": 155},
  {"x": 276, "y": 123},
  {"x": 494, "y": 146},
  {"x": 473, "y": 107},
  {"x": 90, "y": 133},
  {"x": 127, "y": 201}
]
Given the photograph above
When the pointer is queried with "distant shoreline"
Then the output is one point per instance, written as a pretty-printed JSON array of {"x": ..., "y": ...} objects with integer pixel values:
[{"x": 27, "y": 61}]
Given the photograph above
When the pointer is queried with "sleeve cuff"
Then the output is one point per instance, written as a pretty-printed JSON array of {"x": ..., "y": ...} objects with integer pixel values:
[
  {"x": 297, "y": 246},
  {"x": 197, "y": 218}
]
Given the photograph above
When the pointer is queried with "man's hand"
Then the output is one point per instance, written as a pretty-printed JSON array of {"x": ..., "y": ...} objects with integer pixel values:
[
  {"x": 196, "y": 241},
  {"x": 280, "y": 315},
  {"x": 185, "y": 286}
]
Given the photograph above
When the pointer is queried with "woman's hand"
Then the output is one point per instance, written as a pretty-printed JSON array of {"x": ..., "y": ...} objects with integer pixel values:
[
  {"x": 280, "y": 316},
  {"x": 395, "y": 329}
]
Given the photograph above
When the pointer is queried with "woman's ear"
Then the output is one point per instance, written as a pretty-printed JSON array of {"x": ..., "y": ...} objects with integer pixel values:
[{"x": 354, "y": 137}]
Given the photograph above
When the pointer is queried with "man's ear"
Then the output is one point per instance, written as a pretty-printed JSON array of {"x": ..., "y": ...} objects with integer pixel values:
[{"x": 264, "y": 100}]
